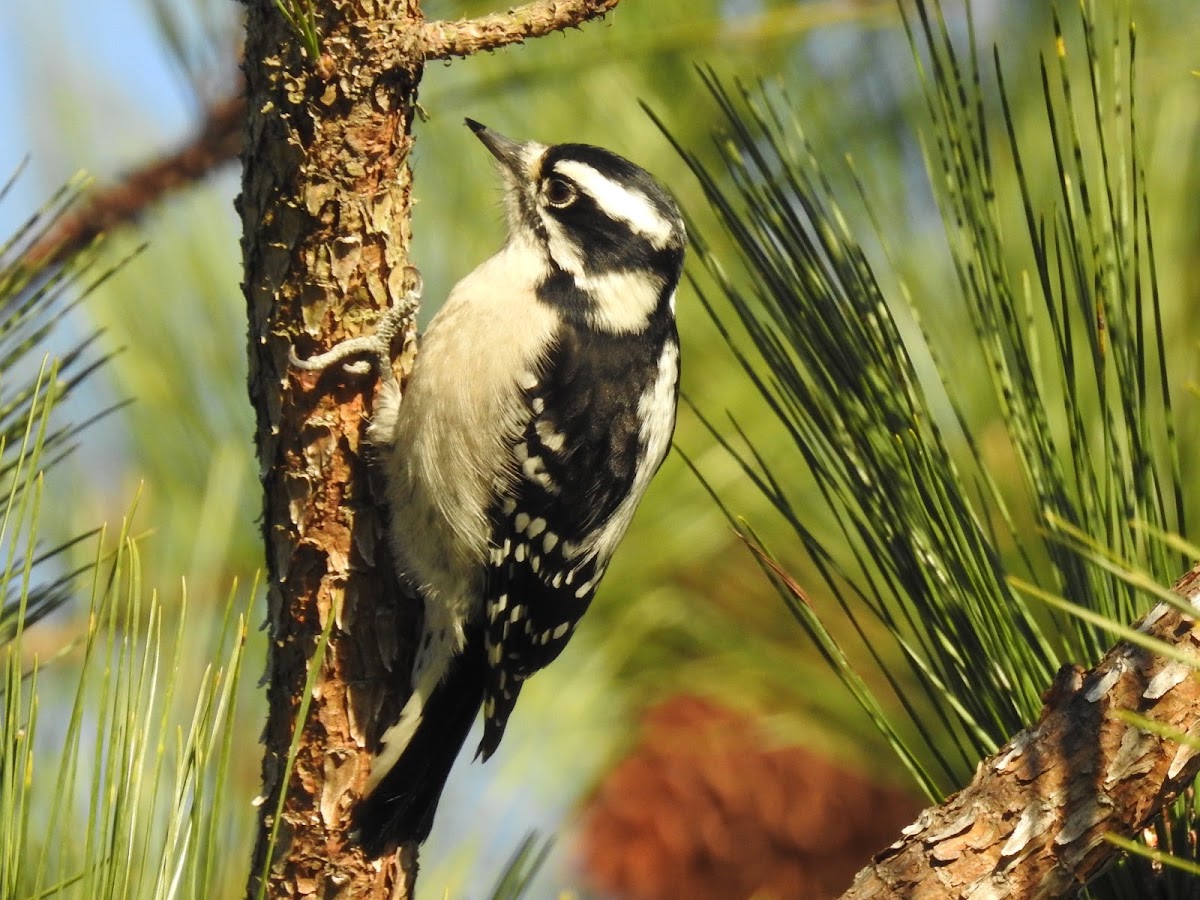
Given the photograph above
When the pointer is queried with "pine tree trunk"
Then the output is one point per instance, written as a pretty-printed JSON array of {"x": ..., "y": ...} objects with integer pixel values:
[{"x": 325, "y": 208}]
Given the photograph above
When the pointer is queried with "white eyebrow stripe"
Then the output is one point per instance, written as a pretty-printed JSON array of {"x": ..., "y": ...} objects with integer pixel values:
[{"x": 619, "y": 202}]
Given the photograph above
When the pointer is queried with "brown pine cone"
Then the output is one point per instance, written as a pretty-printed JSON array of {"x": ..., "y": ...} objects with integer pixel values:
[{"x": 704, "y": 807}]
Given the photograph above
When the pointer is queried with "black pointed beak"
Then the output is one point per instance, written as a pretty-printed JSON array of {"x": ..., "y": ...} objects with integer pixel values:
[{"x": 510, "y": 153}]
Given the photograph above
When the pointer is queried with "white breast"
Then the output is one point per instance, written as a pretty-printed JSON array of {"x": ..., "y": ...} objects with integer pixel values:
[{"x": 461, "y": 413}]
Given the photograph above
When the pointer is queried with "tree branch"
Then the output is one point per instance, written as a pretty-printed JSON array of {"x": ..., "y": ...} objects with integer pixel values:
[
  {"x": 218, "y": 140},
  {"x": 1032, "y": 822},
  {"x": 443, "y": 40}
]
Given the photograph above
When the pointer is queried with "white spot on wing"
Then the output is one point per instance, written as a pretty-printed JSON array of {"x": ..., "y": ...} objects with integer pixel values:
[
  {"x": 553, "y": 440},
  {"x": 533, "y": 467}
]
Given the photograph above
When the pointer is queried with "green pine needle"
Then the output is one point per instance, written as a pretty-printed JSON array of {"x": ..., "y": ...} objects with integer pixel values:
[{"x": 964, "y": 573}]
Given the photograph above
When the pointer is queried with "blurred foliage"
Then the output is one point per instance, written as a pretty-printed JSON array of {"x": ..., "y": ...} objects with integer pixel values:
[
  {"x": 684, "y": 604},
  {"x": 34, "y": 297},
  {"x": 95, "y": 725}
]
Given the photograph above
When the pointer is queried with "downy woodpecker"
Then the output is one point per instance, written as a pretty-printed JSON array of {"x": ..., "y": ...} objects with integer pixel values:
[{"x": 540, "y": 406}]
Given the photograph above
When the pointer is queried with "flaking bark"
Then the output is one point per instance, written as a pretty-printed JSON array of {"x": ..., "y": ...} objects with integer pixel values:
[
  {"x": 1032, "y": 821},
  {"x": 325, "y": 209}
]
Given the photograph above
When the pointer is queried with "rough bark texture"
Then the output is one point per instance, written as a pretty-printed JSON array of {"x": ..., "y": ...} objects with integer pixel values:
[
  {"x": 325, "y": 211},
  {"x": 443, "y": 40},
  {"x": 1032, "y": 821}
]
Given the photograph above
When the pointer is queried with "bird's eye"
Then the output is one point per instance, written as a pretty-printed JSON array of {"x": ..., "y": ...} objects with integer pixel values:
[{"x": 560, "y": 193}]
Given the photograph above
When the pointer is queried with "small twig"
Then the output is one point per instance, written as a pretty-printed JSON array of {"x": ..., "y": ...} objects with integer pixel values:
[
  {"x": 218, "y": 140},
  {"x": 463, "y": 37}
]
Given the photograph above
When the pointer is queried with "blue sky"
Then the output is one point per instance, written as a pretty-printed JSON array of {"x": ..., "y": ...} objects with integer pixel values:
[{"x": 84, "y": 85}]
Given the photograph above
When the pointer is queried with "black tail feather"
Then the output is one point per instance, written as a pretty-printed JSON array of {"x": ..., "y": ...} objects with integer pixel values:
[{"x": 401, "y": 808}]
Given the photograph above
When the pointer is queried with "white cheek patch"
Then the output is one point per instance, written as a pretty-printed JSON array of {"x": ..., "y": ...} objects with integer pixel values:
[
  {"x": 621, "y": 203},
  {"x": 622, "y": 302}
]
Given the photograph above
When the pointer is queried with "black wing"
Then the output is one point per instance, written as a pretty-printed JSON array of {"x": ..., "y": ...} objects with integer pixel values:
[{"x": 578, "y": 460}]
